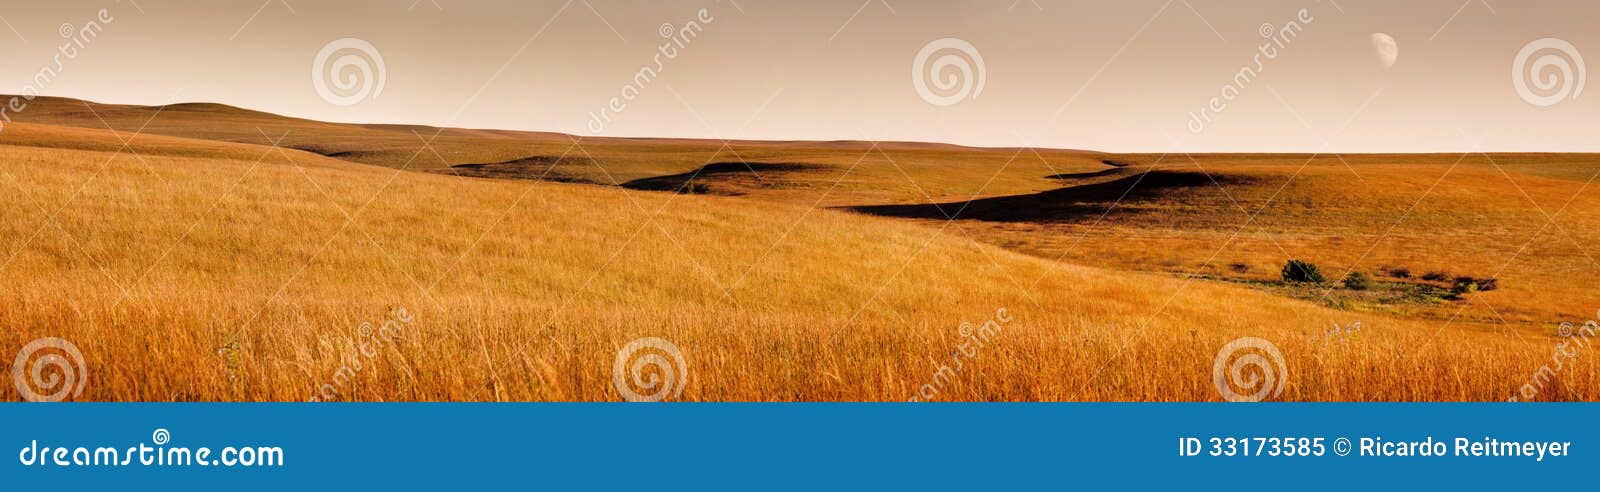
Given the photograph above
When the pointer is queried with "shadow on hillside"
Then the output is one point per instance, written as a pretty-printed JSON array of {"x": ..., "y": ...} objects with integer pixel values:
[
  {"x": 540, "y": 167},
  {"x": 1087, "y": 175},
  {"x": 357, "y": 155},
  {"x": 699, "y": 180},
  {"x": 1073, "y": 203}
]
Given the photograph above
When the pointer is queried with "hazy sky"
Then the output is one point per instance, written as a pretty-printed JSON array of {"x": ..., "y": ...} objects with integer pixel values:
[{"x": 1117, "y": 76}]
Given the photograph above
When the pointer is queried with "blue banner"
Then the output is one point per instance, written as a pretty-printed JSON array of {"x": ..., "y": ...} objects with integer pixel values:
[{"x": 795, "y": 446}]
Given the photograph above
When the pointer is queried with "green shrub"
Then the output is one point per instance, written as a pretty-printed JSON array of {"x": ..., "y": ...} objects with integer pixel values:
[
  {"x": 1357, "y": 281},
  {"x": 1302, "y": 271}
]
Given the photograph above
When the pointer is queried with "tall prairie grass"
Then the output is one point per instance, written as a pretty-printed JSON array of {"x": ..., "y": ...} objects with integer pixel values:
[{"x": 205, "y": 271}]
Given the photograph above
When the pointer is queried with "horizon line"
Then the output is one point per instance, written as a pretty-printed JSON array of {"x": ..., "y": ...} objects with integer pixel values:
[{"x": 7, "y": 119}]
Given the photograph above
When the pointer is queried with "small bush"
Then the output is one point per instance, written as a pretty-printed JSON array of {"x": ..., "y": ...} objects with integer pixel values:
[
  {"x": 1302, "y": 271},
  {"x": 1357, "y": 281},
  {"x": 1239, "y": 267},
  {"x": 1436, "y": 276},
  {"x": 1400, "y": 272},
  {"x": 1467, "y": 285},
  {"x": 1488, "y": 284},
  {"x": 693, "y": 188}
]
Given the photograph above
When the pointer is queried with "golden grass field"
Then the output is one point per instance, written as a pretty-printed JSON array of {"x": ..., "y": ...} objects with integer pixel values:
[{"x": 203, "y": 263}]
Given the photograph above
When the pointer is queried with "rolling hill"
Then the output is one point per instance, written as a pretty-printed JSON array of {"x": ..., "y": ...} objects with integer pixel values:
[{"x": 201, "y": 262}]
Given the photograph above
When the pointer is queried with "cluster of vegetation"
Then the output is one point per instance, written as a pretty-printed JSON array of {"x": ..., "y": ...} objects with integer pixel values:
[
  {"x": 1458, "y": 284},
  {"x": 1468, "y": 285},
  {"x": 1300, "y": 271}
]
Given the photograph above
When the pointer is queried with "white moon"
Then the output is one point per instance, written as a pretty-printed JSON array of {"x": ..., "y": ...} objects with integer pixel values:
[{"x": 1388, "y": 51}]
